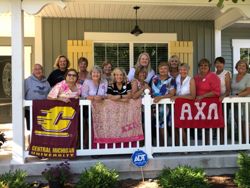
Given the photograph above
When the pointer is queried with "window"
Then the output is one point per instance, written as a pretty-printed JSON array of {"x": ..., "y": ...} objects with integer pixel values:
[{"x": 118, "y": 53}]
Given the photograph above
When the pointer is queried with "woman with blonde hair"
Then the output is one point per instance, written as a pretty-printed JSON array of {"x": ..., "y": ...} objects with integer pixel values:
[
  {"x": 174, "y": 63},
  {"x": 144, "y": 61},
  {"x": 120, "y": 88},
  {"x": 61, "y": 66}
]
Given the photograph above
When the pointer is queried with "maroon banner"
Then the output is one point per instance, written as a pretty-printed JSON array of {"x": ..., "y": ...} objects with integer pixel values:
[
  {"x": 55, "y": 128},
  {"x": 206, "y": 113}
]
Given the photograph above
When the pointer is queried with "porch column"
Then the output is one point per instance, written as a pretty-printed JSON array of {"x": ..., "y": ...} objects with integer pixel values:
[
  {"x": 147, "y": 102},
  {"x": 217, "y": 42},
  {"x": 17, "y": 37}
]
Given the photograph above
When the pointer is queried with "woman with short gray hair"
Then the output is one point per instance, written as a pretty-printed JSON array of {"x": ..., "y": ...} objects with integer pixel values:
[{"x": 95, "y": 87}]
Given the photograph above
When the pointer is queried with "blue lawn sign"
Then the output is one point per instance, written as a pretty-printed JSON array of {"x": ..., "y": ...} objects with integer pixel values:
[{"x": 139, "y": 158}]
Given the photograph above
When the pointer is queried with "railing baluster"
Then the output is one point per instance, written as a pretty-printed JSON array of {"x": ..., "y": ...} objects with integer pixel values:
[
  {"x": 90, "y": 127},
  {"x": 218, "y": 132},
  {"x": 210, "y": 136},
  {"x": 165, "y": 125},
  {"x": 157, "y": 125},
  {"x": 196, "y": 137},
  {"x": 232, "y": 124},
  {"x": 247, "y": 122},
  {"x": 239, "y": 124},
  {"x": 203, "y": 136},
  {"x": 225, "y": 122},
  {"x": 188, "y": 137},
  {"x": 172, "y": 127},
  {"x": 81, "y": 128}
]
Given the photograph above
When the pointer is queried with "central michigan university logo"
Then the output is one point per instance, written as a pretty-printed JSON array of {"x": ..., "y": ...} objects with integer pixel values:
[{"x": 55, "y": 121}]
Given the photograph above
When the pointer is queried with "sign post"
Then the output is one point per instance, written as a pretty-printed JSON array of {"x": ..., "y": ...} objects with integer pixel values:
[{"x": 140, "y": 159}]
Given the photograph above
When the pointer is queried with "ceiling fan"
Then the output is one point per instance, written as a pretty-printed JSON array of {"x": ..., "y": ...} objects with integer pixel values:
[{"x": 136, "y": 31}]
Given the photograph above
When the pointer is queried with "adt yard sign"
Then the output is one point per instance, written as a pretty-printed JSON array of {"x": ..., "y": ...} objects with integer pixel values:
[{"x": 139, "y": 158}]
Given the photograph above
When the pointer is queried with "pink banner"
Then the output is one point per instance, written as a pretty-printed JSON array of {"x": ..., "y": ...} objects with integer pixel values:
[
  {"x": 55, "y": 128},
  {"x": 115, "y": 122},
  {"x": 206, "y": 113}
]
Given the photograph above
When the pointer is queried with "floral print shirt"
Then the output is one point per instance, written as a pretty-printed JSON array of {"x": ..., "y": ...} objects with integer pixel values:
[
  {"x": 162, "y": 87},
  {"x": 62, "y": 89}
]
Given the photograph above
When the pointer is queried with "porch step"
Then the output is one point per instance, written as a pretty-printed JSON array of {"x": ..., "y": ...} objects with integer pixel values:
[{"x": 213, "y": 164}]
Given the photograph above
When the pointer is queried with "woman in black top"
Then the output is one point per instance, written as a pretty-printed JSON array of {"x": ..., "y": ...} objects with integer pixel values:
[
  {"x": 61, "y": 64},
  {"x": 120, "y": 89}
]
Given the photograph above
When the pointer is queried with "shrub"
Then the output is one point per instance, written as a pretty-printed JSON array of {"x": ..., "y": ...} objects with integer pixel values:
[
  {"x": 242, "y": 176},
  {"x": 59, "y": 173},
  {"x": 98, "y": 176},
  {"x": 183, "y": 177},
  {"x": 14, "y": 179}
]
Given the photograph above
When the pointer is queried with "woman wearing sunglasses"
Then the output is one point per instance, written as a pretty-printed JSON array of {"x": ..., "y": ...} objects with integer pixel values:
[{"x": 66, "y": 89}]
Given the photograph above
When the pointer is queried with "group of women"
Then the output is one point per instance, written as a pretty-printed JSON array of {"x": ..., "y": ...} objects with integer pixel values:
[{"x": 172, "y": 81}]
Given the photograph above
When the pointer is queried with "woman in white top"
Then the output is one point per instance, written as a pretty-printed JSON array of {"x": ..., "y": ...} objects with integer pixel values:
[
  {"x": 224, "y": 75},
  {"x": 225, "y": 85},
  {"x": 185, "y": 89},
  {"x": 185, "y": 84},
  {"x": 144, "y": 61}
]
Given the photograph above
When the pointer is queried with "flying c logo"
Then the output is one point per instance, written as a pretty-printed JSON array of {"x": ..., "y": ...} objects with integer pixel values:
[{"x": 56, "y": 120}]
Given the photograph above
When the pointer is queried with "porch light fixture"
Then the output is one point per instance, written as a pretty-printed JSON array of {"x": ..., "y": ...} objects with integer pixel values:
[{"x": 136, "y": 31}]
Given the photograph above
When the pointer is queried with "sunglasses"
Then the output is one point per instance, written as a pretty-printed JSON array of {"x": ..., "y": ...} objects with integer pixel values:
[{"x": 74, "y": 75}]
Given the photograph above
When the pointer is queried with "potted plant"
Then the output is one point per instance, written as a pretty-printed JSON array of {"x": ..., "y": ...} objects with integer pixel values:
[{"x": 57, "y": 175}]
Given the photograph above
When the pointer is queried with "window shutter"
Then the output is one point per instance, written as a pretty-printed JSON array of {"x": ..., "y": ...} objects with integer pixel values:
[{"x": 79, "y": 48}]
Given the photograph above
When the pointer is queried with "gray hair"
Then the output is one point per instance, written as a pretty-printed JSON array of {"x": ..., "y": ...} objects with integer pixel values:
[
  {"x": 95, "y": 68},
  {"x": 185, "y": 65}
]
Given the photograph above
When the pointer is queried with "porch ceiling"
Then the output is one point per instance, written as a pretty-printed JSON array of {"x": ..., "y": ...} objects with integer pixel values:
[{"x": 111, "y": 10}]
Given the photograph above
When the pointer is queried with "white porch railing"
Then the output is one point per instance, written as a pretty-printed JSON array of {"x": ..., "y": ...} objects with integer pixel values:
[{"x": 235, "y": 135}]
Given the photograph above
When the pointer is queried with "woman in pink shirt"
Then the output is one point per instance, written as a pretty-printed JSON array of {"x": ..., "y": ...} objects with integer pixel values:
[
  {"x": 207, "y": 83},
  {"x": 66, "y": 89}
]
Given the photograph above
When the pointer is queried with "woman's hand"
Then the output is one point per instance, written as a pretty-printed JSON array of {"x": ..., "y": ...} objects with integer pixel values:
[
  {"x": 63, "y": 99},
  {"x": 146, "y": 86},
  {"x": 124, "y": 100},
  {"x": 157, "y": 99},
  {"x": 173, "y": 98},
  {"x": 199, "y": 98},
  {"x": 98, "y": 98}
]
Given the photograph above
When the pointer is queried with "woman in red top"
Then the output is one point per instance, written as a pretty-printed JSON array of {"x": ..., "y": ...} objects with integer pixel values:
[{"x": 207, "y": 85}]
